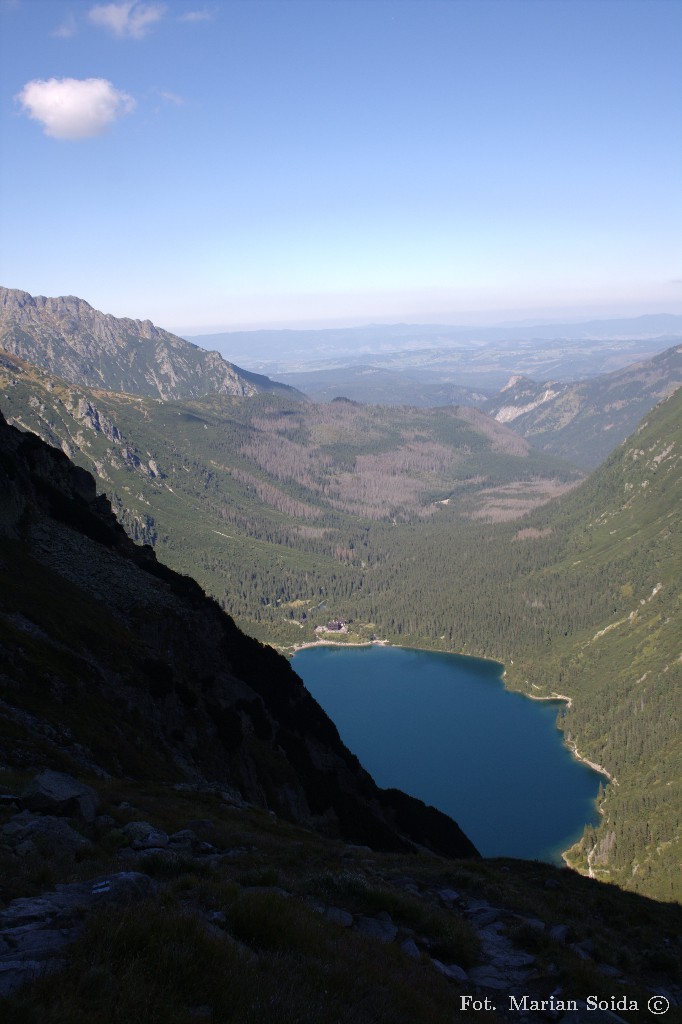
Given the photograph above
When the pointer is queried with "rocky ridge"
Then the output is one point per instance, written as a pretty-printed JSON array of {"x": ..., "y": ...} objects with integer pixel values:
[{"x": 66, "y": 336}]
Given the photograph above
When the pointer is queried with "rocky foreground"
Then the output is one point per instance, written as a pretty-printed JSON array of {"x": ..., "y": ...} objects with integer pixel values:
[{"x": 256, "y": 893}]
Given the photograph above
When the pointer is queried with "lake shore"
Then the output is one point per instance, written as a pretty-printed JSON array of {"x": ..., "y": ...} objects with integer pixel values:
[
  {"x": 571, "y": 743},
  {"x": 295, "y": 648}
]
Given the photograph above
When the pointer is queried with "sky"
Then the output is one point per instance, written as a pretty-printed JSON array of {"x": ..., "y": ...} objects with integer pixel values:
[{"x": 225, "y": 165}]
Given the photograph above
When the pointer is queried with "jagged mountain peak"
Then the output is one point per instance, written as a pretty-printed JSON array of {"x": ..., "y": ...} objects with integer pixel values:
[{"x": 70, "y": 338}]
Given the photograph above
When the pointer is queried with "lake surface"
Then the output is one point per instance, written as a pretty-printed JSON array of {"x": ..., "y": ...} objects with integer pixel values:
[{"x": 443, "y": 728}]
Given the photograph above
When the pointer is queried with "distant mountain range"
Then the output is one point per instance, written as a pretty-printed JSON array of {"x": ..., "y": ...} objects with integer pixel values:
[
  {"x": 381, "y": 385},
  {"x": 68, "y": 337},
  {"x": 475, "y": 357}
]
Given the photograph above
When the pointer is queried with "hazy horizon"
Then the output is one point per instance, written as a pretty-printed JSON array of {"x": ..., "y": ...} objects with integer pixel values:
[{"x": 474, "y": 320}]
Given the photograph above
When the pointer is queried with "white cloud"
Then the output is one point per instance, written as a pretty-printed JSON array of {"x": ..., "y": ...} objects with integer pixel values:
[
  {"x": 130, "y": 18},
  {"x": 72, "y": 108}
]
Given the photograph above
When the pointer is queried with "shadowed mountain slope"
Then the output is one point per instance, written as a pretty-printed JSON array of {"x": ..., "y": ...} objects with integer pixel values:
[{"x": 115, "y": 665}]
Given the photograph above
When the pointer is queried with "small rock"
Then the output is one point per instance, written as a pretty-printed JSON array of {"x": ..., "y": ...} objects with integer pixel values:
[
  {"x": 580, "y": 951},
  {"x": 449, "y": 896},
  {"x": 144, "y": 836},
  {"x": 559, "y": 932},
  {"x": 160, "y": 853},
  {"x": 185, "y": 839},
  {"x": 488, "y": 977},
  {"x": 453, "y": 971},
  {"x": 609, "y": 971},
  {"x": 57, "y": 793},
  {"x": 154, "y": 840},
  {"x": 30, "y": 833},
  {"x": 380, "y": 927},
  {"x": 511, "y": 961},
  {"x": 475, "y": 906},
  {"x": 411, "y": 949},
  {"x": 481, "y": 918}
]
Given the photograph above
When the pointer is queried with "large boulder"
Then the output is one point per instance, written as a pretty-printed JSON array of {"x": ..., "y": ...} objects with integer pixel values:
[{"x": 57, "y": 793}]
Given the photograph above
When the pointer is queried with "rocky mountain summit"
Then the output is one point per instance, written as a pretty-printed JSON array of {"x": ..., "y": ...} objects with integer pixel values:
[{"x": 66, "y": 336}]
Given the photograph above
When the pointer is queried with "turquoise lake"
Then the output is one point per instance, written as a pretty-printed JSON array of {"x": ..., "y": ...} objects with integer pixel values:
[{"x": 443, "y": 728}]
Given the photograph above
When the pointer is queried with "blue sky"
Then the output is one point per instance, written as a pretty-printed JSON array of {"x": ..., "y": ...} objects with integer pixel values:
[{"x": 277, "y": 162}]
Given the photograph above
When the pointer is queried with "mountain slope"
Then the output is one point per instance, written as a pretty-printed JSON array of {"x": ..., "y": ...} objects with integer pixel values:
[
  {"x": 68, "y": 337},
  {"x": 583, "y": 422},
  {"x": 96, "y": 632}
]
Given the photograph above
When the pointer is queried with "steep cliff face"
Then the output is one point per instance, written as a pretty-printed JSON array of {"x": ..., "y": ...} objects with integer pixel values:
[
  {"x": 112, "y": 664},
  {"x": 66, "y": 336}
]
